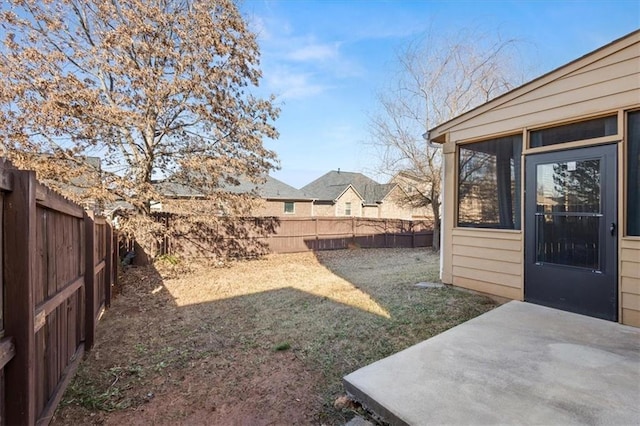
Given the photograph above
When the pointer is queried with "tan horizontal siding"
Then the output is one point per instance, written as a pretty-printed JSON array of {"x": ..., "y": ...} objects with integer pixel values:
[
  {"x": 631, "y": 317},
  {"x": 631, "y": 301},
  {"x": 630, "y": 285},
  {"x": 492, "y": 234},
  {"x": 606, "y": 84},
  {"x": 484, "y": 253},
  {"x": 604, "y": 89},
  {"x": 488, "y": 261},
  {"x": 629, "y": 255},
  {"x": 580, "y": 82},
  {"x": 548, "y": 114},
  {"x": 631, "y": 243},
  {"x": 628, "y": 55},
  {"x": 488, "y": 288},
  {"x": 585, "y": 79},
  {"x": 630, "y": 281},
  {"x": 630, "y": 269},
  {"x": 487, "y": 276},
  {"x": 488, "y": 265},
  {"x": 501, "y": 244}
]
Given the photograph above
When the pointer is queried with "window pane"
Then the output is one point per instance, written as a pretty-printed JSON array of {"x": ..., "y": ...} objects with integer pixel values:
[
  {"x": 568, "y": 213},
  {"x": 572, "y": 186},
  {"x": 347, "y": 209},
  {"x": 288, "y": 207},
  {"x": 633, "y": 174},
  {"x": 568, "y": 240},
  {"x": 489, "y": 183},
  {"x": 599, "y": 127}
]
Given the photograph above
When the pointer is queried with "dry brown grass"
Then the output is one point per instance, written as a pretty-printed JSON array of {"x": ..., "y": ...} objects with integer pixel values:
[{"x": 257, "y": 342}]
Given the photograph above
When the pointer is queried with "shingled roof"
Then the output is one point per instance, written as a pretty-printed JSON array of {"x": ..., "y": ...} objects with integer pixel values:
[
  {"x": 271, "y": 188},
  {"x": 330, "y": 186}
]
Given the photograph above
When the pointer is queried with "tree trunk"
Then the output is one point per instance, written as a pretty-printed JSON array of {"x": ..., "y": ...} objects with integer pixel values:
[
  {"x": 436, "y": 235},
  {"x": 435, "y": 206}
]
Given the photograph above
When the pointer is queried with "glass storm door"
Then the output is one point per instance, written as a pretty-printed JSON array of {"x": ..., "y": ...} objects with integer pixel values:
[{"x": 571, "y": 231}]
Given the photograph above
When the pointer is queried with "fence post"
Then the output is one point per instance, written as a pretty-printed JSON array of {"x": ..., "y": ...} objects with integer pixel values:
[
  {"x": 108, "y": 264},
  {"x": 89, "y": 280},
  {"x": 353, "y": 231},
  {"x": 386, "y": 234},
  {"x": 317, "y": 236},
  {"x": 19, "y": 233},
  {"x": 115, "y": 258},
  {"x": 413, "y": 234}
]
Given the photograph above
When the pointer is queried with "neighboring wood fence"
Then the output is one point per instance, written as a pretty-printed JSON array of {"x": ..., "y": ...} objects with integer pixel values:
[
  {"x": 289, "y": 235},
  {"x": 48, "y": 304},
  {"x": 332, "y": 233}
]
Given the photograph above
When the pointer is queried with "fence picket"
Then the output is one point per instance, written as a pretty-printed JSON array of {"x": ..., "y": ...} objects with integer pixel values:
[
  {"x": 19, "y": 232},
  {"x": 48, "y": 314},
  {"x": 89, "y": 280},
  {"x": 296, "y": 234}
]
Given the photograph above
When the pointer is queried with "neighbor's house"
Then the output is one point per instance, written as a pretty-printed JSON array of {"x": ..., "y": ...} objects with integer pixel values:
[
  {"x": 82, "y": 182},
  {"x": 277, "y": 198},
  {"x": 339, "y": 193},
  {"x": 412, "y": 187},
  {"x": 542, "y": 189}
]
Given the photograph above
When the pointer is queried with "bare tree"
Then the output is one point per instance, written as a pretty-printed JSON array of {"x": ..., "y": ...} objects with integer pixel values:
[
  {"x": 438, "y": 77},
  {"x": 156, "y": 88}
]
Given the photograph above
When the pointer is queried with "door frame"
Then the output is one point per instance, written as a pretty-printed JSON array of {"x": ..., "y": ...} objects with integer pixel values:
[{"x": 608, "y": 154}]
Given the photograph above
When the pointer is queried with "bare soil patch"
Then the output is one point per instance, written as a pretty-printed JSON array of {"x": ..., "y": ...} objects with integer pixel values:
[{"x": 261, "y": 342}]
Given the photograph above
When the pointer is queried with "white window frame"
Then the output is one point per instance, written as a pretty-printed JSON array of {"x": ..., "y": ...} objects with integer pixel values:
[
  {"x": 347, "y": 208},
  {"x": 293, "y": 207}
]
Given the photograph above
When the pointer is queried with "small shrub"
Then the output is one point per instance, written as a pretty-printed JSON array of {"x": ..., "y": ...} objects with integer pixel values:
[{"x": 282, "y": 346}]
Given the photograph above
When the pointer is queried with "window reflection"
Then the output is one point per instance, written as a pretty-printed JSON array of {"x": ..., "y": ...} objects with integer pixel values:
[
  {"x": 569, "y": 187},
  {"x": 568, "y": 218},
  {"x": 595, "y": 128},
  {"x": 633, "y": 174},
  {"x": 489, "y": 183}
]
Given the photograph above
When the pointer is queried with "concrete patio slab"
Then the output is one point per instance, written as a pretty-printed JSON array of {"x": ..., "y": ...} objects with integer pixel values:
[{"x": 517, "y": 364}]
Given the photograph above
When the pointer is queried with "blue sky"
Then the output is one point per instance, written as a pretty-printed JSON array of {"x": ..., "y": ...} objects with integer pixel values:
[{"x": 325, "y": 60}]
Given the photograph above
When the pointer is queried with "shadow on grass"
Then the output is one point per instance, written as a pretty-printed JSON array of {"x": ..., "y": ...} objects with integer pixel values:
[{"x": 260, "y": 342}]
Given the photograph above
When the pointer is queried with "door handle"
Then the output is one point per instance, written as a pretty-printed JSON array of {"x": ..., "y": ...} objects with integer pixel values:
[{"x": 612, "y": 229}]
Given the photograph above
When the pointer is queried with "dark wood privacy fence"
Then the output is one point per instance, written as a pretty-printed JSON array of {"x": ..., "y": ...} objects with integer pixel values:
[
  {"x": 248, "y": 236},
  {"x": 58, "y": 264},
  {"x": 331, "y": 233}
]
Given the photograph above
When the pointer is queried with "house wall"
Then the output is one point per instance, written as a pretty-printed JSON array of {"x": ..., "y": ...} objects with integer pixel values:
[
  {"x": 180, "y": 206},
  {"x": 630, "y": 281},
  {"x": 605, "y": 82},
  {"x": 488, "y": 261},
  {"x": 393, "y": 207},
  {"x": 410, "y": 184},
  {"x": 262, "y": 207},
  {"x": 276, "y": 208},
  {"x": 371, "y": 211},
  {"x": 356, "y": 203},
  {"x": 324, "y": 209}
]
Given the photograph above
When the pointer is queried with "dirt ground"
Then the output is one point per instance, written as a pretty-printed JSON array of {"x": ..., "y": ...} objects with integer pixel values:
[{"x": 261, "y": 342}]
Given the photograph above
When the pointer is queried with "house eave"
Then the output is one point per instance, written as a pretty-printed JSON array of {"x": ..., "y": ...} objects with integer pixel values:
[
  {"x": 345, "y": 190},
  {"x": 288, "y": 199}
]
